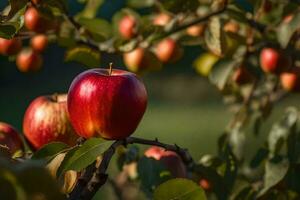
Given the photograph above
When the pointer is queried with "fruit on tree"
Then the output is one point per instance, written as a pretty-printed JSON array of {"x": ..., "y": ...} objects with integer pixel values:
[
  {"x": 10, "y": 46},
  {"x": 161, "y": 19},
  {"x": 36, "y": 2},
  {"x": 205, "y": 62},
  {"x": 29, "y": 60},
  {"x": 128, "y": 27},
  {"x": 34, "y": 21},
  {"x": 10, "y": 138},
  {"x": 39, "y": 42},
  {"x": 169, "y": 158},
  {"x": 242, "y": 76},
  {"x": 196, "y": 30},
  {"x": 290, "y": 80},
  {"x": 232, "y": 26},
  {"x": 168, "y": 51},
  {"x": 46, "y": 120},
  {"x": 106, "y": 103},
  {"x": 274, "y": 61},
  {"x": 140, "y": 60},
  {"x": 205, "y": 184}
]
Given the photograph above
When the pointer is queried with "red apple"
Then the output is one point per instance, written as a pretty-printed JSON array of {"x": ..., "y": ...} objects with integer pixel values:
[
  {"x": 274, "y": 61},
  {"x": 10, "y": 138},
  {"x": 46, "y": 120},
  {"x": 140, "y": 60},
  {"x": 29, "y": 60},
  {"x": 169, "y": 158},
  {"x": 10, "y": 47},
  {"x": 232, "y": 26},
  {"x": 205, "y": 184},
  {"x": 128, "y": 27},
  {"x": 161, "y": 19},
  {"x": 39, "y": 42},
  {"x": 168, "y": 51},
  {"x": 196, "y": 30},
  {"x": 242, "y": 76},
  {"x": 105, "y": 103},
  {"x": 34, "y": 21},
  {"x": 290, "y": 81}
]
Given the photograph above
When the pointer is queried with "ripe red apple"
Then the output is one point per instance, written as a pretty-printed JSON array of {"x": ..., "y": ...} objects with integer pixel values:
[
  {"x": 34, "y": 21},
  {"x": 274, "y": 61},
  {"x": 39, "y": 42},
  {"x": 140, "y": 60},
  {"x": 169, "y": 158},
  {"x": 290, "y": 81},
  {"x": 196, "y": 30},
  {"x": 128, "y": 27},
  {"x": 46, "y": 120},
  {"x": 29, "y": 60},
  {"x": 105, "y": 103},
  {"x": 10, "y": 138},
  {"x": 10, "y": 47},
  {"x": 205, "y": 184},
  {"x": 168, "y": 51},
  {"x": 161, "y": 19},
  {"x": 242, "y": 76}
]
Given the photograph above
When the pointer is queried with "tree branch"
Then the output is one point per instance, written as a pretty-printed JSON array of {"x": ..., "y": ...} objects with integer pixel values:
[{"x": 86, "y": 190}]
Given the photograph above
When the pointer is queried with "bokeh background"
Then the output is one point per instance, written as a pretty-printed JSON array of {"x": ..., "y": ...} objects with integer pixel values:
[{"x": 183, "y": 107}]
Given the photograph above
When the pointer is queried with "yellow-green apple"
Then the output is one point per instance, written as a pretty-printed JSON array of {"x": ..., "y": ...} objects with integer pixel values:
[
  {"x": 10, "y": 46},
  {"x": 161, "y": 19},
  {"x": 169, "y": 158},
  {"x": 34, "y": 21},
  {"x": 141, "y": 60},
  {"x": 128, "y": 27},
  {"x": 274, "y": 61},
  {"x": 46, "y": 120},
  {"x": 242, "y": 76},
  {"x": 39, "y": 42},
  {"x": 10, "y": 138},
  {"x": 168, "y": 51},
  {"x": 29, "y": 60},
  {"x": 106, "y": 103},
  {"x": 205, "y": 62},
  {"x": 290, "y": 80}
]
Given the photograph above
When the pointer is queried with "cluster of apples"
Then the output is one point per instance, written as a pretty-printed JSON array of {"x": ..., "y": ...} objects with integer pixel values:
[
  {"x": 29, "y": 59},
  {"x": 165, "y": 51}
]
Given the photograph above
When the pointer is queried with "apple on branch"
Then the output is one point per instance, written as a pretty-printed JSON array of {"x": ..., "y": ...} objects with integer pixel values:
[
  {"x": 46, "y": 120},
  {"x": 10, "y": 138},
  {"x": 108, "y": 103}
]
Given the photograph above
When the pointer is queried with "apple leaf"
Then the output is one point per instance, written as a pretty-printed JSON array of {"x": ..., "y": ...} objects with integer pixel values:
[
  {"x": 151, "y": 173},
  {"x": 91, "y": 8},
  {"x": 82, "y": 156},
  {"x": 99, "y": 27},
  {"x": 140, "y": 4},
  {"x": 84, "y": 55},
  {"x": 274, "y": 172},
  {"x": 221, "y": 72},
  {"x": 180, "y": 189},
  {"x": 15, "y": 7},
  {"x": 215, "y": 36},
  {"x": 286, "y": 30},
  {"x": 49, "y": 150}
]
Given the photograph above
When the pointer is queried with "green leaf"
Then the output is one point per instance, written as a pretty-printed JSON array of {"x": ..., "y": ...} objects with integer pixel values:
[
  {"x": 82, "y": 156},
  {"x": 49, "y": 150},
  {"x": 179, "y": 189},
  {"x": 59, "y": 5},
  {"x": 83, "y": 55},
  {"x": 15, "y": 7},
  {"x": 140, "y": 4},
  {"x": 274, "y": 173},
  {"x": 221, "y": 72},
  {"x": 286, "y": 30},
  {"x": 97, "y": 26},
  {"x": 215, "y": 37},
  {"x": 151, "y": 173},
  {"x": 91, "y": 8}
]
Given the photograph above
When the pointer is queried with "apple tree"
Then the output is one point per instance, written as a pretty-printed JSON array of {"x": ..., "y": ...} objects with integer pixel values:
[{"x": 251, "y": 55}]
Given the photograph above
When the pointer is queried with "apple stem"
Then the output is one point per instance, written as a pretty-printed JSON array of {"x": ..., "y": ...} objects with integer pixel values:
[{"x": 110, "y": 68}]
